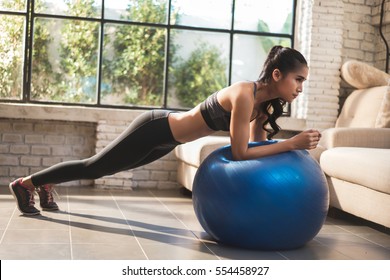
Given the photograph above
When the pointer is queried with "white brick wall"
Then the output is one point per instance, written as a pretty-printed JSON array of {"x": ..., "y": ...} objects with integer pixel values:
[
  {"x": 330, "y": 32},
  {"x": 379, "y": 55},
  {"x": 28, "y": 146},
  {"x": 320, "y": 38}
]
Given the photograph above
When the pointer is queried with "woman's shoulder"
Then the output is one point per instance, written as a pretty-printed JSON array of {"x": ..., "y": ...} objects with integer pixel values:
[
  {"x": 243, "y": 86},
  {"x": 239, "y": 93},
  {"x": 236, "y": 93}
]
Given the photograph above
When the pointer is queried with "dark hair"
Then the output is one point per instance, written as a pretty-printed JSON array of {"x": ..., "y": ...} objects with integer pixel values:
[{"x": 286, "y": 60}]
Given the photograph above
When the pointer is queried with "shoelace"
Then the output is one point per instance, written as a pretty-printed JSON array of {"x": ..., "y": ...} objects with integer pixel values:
[
  {"x": 49, "y": 189},
  {"x": 31, "y": 200}
]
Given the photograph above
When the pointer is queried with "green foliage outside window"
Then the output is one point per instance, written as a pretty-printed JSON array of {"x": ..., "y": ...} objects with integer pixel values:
[
  {"x": 11, "y": 51},
  {"x": 41, "y": 86},
  {"x": 78, "y": 53},
  {"x": 65, "y": 57},
  {"x": 203, "y": 73},
  {"x": 73, "y": 77},
  {"x": 137, "y": 68}
]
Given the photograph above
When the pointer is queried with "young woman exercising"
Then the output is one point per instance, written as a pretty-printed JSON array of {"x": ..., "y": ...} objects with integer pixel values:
[{"x": 244, "y": 108}]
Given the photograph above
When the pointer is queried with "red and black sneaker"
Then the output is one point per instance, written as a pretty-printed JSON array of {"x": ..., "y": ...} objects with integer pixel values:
[
  {"x": 46, "y": 198},
  {"x": 24, "y": 198}
]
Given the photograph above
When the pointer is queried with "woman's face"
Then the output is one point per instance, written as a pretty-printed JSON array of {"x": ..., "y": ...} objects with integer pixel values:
[{"x": 289, "y": 86}]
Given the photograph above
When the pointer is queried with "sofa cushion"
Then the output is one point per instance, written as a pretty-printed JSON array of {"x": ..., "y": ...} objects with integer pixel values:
[
  {"x": 383, "y": 118},
  {"x": 193, "y": 153},
  {"x": 361, "y": 108},
  {"x": 362, "y": 75},
  {"x": 369, "y": 167}
]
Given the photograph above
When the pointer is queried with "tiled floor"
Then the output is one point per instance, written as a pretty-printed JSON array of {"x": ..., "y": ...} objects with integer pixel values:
[{"x": 101, "y": 224}]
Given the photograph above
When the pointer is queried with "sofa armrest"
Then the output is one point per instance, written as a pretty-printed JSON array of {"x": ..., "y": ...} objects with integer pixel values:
[
  {"x": 356, "y": 137},
  {"x": 193, "y": 153}
]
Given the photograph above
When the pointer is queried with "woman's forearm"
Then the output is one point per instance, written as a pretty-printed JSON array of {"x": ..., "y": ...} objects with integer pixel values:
[
  {"x": 307, "y": 139},
  {"x": 265, "y": 150}
]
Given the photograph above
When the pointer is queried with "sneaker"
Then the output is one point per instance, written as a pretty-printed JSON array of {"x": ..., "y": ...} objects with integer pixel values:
[
  {"x": 24, "y": 197},
  {"x": 46, "y": 198}
]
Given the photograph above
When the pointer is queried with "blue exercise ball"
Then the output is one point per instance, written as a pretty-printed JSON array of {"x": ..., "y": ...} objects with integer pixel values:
[{"x": 276, "y": 202}]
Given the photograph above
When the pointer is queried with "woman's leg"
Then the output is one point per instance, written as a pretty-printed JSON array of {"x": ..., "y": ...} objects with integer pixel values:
[{"x": 146, "y": 139}]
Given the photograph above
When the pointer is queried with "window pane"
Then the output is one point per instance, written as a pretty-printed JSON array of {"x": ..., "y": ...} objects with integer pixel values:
[
  {"x": 75, "y": 8},
  {"x": 264, "y": 16},
  {"x": 133, "y": 65},
  {"x": 65, "y": 57},
  {"x": 198, "y": 66},
  {"x": 11, "y": 56},
  {"x": 13, "y": 5},
  {"x": 151, "y": 11},
  {"x": 249, "y": 53},
  {"x": 202, "y": 13}
]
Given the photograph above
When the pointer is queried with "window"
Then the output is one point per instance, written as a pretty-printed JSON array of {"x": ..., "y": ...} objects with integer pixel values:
[{"x": 135, "y": 53}]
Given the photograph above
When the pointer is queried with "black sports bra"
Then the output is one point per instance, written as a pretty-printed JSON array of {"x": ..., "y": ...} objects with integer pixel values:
[{"x": 215, "y": 116}]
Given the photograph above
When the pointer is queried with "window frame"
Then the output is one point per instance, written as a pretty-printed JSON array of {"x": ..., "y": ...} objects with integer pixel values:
[{"x": 30, "y": 15}]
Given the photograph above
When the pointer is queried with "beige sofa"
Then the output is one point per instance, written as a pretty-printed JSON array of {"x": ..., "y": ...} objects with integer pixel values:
[
  {"x": 355, "y": 155},
  {"x": 192, "y": 154}
]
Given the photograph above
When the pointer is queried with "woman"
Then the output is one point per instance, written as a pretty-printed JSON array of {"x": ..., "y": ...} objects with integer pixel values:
[{"x": 244, "y": 109}]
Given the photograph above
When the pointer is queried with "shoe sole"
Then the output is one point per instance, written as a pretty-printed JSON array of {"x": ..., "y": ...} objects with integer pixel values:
[
  {"x": 50, "y": 209},
  {"x": 17, "y": 203}
]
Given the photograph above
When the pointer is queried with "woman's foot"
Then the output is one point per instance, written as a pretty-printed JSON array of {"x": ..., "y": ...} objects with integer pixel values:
[
  {"x": 46, "y": 198},
  {"x": 24, "y": 197}
]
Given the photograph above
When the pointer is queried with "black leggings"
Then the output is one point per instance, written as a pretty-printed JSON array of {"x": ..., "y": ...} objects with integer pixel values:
[{"x": 147, "y": 139}]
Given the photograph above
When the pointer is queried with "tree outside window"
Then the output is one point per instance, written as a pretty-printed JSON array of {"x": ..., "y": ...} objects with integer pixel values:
[{"x": 131, "y": 53}]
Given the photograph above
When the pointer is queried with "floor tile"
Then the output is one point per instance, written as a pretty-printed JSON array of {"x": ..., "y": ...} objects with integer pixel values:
[
  {"x": 364, "y": 252},
  {"x": 148, "y": 220},
  {"x": 342, "y": 238},
  {"x": 7, "y": 201},
  {"x": 168, "y": 237},
  {"x": 356, "y": 229},
  {"x": 378, "y": 238},
  {"x": 149, "y": 215},
  {"x": 108, "y": 251},
  {"x": 91, "y": 202},
  {"x": 41, "y": 236},
  {"x": 4, "y": 222},
  {"x": 314, "y": 252},
  {"x": 165, "y": 251},
  {"x": 232, "y": 253},
  {"x": 96, "y": 224},
  {"x": 193, "y": 224},
  {"x": 331, "y": 228},
  {"x": 47, "y": 220},
  {"x": 102, "y": 234},
  {"x": 90, "y": 219},
  {"x": 35, "y": 252}
]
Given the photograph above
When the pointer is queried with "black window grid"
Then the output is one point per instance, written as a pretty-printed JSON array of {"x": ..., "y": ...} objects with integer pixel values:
[{"x": 30, "y": 16}]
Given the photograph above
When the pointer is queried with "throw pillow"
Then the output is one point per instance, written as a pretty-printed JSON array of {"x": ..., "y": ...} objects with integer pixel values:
[{"x": 383, "y": 118}]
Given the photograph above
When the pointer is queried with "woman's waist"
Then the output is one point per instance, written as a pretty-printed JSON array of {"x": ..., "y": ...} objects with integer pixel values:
[{"x": 188, "y": 126}]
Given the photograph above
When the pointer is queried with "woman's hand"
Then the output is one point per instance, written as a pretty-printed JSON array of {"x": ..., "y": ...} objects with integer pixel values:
[{"x": 307, "y": 139}]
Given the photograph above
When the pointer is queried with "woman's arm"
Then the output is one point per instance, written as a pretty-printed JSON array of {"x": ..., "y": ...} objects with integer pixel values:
[
  {"x": 242, "y": 106},
  {"x": 257, "y": 132},
  {"x": 240, "y": 129},
  {"x": 305, "y": 140}
]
